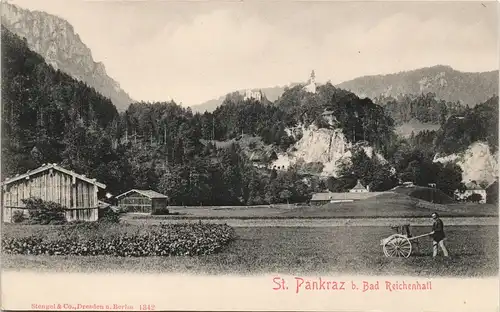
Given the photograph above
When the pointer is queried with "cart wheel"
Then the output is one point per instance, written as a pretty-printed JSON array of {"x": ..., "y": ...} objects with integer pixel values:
[{"x": 397, "y": 246}]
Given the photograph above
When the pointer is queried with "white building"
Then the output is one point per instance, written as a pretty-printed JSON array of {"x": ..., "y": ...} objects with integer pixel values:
[
  {"x": 471, "y": 188},
  {"x": 311, "y": 84},
  {"x": 255, "y": 95}
]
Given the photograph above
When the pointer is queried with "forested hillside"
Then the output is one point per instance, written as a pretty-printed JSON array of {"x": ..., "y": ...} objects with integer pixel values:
[
  {"x": 50, "y": 117},
  {"x": 60, "y": 45},
  {"x": 447, "y": 83},
  {"x": 477, "y": 124},
  {"x": 424, "y": 107}
]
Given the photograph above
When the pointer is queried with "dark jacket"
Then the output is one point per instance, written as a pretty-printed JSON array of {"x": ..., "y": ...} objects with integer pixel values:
[{"x": 438, "y": 229}]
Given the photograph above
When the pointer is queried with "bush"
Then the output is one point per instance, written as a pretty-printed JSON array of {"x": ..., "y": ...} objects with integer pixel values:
[
  {"x": 44, "y": 212},
  {"x": 18, "y": 216},
  {"x": 92, "y": 239},
  {"x": 107, "y": 215}
]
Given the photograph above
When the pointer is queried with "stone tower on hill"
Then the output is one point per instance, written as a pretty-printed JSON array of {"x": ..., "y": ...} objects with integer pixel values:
[{"x": 311, "y": 86}]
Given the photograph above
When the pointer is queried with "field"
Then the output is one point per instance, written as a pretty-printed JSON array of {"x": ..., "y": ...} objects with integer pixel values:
[
  {"x": 333, "y": 238},
  {"x": 300, "y": 250},
  {"x": 313, "y": 222},
  {"x": 390, "y": 204},
  {"x": 425, "y": 193}
]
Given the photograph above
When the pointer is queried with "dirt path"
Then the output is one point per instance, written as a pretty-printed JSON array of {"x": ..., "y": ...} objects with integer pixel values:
[{"x": 323, "y": 222}]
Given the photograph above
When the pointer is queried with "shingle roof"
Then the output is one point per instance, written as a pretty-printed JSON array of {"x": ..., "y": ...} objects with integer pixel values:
[
  {"x": 147, "y": 193},
  {"x": 55, "y": 167}
]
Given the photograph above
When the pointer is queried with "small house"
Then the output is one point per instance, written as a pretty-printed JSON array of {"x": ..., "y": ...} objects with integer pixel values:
[
  {"x": 408, "y": 184},
  {"x": 258, "y": 159},
  {"x": 321, "y": 198},
  {"x": 145, "y": 201},
  {"x": 51, "y": 182},
  {"x": 471, "y": 188},
  {"x": 333, "y": 197},
  {"x": 358, "y": 188}
]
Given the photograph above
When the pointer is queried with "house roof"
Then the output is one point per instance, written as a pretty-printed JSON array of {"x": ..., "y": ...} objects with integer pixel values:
[
  {"x": 321, "y": 196},
  {"x": 54, "y": 167},
  {"x": 343, "y": 196},
  {"x": 359, "y": 186},
  {"x": 103, "y": 205},
  {"x": 147, "y": 193}
]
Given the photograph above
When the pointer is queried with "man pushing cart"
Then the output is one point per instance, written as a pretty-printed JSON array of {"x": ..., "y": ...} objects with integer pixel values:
[
  {"x": 402, "y": 243},
  {"x": 438, "y": 236}
]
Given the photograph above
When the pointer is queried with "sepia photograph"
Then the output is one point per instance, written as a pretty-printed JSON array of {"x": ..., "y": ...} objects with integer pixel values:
[{"x": 307, "y": 139}]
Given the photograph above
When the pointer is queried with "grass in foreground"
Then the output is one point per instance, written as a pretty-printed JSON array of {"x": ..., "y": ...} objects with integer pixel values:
[{"x": 347, "y": 250}]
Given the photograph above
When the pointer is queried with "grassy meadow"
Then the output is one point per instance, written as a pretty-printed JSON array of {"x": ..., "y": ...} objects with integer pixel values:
[
  {"x": 332, "y": 238},
  {"x": 298, "y": 250},
  {"x": 397, "y": 204}
]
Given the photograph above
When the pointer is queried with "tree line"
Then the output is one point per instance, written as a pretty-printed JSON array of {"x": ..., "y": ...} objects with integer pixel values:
[{"x": 424, "y": 107}]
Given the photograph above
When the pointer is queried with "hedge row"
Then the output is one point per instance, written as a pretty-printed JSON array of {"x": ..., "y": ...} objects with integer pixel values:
[{"x": 160, "y": 240}]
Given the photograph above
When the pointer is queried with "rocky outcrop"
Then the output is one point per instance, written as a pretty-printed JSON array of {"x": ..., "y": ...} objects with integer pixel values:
[
  {"x": 326, "y": 146},
  {"x": 57, "y": 42},
  {"x": 477, "y": 163}
]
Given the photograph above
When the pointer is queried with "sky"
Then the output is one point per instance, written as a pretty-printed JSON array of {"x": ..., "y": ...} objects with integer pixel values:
[{"x": 194, "y": 51}]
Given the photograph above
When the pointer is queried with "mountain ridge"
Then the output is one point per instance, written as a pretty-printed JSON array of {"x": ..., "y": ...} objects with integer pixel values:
[
  {"x": 449, "y": 84},
  {"x": 427, "y": 79},
  {"x": 55, "y": 39}
]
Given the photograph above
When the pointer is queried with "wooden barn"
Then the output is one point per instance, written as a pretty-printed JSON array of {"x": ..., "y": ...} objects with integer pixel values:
[
  {"x": 77, "y": 193},
  {"x": 146, "y": 201}
]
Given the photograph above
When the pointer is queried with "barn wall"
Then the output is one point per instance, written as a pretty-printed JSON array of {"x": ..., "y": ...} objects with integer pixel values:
[
  {"x": 86, "y": 195},
  {"x": 158, "y": 204},
  {"x": 135, "y": 202},
  {"x": 56, "y": 186},
  {"x": 90, "y": 214}
]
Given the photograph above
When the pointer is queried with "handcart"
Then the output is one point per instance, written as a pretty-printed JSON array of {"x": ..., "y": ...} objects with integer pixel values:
[{"x": 402, "y": 243}]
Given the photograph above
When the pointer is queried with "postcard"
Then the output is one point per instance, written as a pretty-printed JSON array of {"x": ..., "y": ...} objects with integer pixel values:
[{"x": 249, "y": 155}]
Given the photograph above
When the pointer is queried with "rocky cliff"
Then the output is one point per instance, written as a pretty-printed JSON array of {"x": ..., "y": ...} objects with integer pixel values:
[
  {"x": 326, "y": 146},
  {"x": 477, "y": 162},
  {"x": 57, "y": 42}
]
